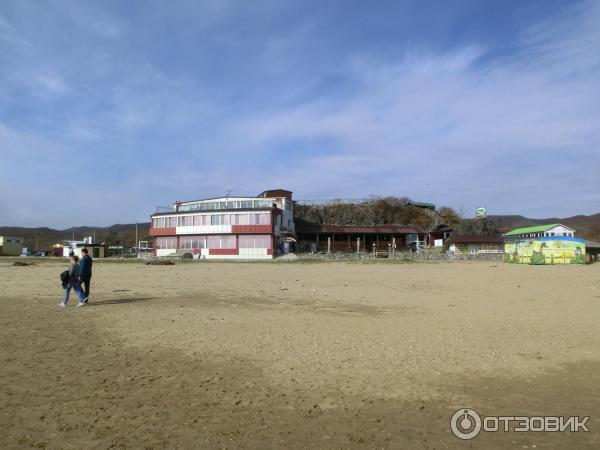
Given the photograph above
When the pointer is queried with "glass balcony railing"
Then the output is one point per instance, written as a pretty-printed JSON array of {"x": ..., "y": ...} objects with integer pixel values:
[{"x": 230, "y": 204}]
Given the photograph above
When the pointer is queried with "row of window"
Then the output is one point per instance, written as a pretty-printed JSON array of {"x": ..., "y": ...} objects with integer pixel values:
[
  {"x": 212, "y": 219},
  {"x": 547, "y": 234},
  {"x": 18, "y": 241},
  {"x": 231, "y": 204},
  {"x": 220, "y": 241}
]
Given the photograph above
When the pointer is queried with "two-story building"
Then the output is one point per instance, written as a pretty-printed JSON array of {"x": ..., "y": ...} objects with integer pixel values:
[{"x": 225, "y": 227}]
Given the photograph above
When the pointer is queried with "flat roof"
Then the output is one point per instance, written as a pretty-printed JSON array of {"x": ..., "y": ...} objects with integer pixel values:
[
  {"x": 231, "y": 197},
  {"x": 309, "y": 227}
]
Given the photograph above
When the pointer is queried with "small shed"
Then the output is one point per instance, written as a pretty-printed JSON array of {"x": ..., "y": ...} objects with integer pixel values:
[
  {"x": 95, "y": 250},
  {"x": 11, "y": 246},
  {"x": 471, "y": 244},
  {"x": 592, "y": 251}
]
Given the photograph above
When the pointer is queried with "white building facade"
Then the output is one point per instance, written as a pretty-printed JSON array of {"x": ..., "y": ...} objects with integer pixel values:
[{"x": 225, "y": 227}]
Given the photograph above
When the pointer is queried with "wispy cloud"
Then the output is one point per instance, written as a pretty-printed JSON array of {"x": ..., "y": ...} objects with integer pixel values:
[{"x": 192, "y": 100}]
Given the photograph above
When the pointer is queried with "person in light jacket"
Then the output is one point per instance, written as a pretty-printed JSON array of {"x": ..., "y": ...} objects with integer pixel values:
[{"x": 73, "y": 282}]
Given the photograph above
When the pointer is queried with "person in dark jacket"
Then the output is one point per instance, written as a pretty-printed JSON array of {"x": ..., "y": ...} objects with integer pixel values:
[
  {"x": 86, "y": 272},
  {"x": 73, "y": 282}
]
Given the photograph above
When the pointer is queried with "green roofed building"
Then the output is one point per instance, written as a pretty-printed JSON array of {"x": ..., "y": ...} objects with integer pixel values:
[
  {"x": 548, "y": 230},
  {"x": 425, "y": 205}
]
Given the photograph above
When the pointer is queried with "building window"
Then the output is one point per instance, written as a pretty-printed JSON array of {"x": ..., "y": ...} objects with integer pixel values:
[
  {"x": 242, "y": 219},
  {"x": 164, "y": 222},
  {"x": 223, "y": 241},
  {"x": 255, "y": 241},
  {"x": 192, "y": 242},
  {"x": 166, "y": 243},
  {"x": 260, "y": 219},
  {"x": 185, "y": 221}
]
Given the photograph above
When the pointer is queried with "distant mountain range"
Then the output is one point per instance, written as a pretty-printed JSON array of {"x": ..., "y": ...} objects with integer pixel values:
[
  {"x": 587, "y": 227},
  {"x": 43, "y": 238}
]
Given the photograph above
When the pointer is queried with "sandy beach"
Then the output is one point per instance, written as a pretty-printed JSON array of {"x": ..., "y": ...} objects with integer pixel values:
[{"x": 296, "y": 355}]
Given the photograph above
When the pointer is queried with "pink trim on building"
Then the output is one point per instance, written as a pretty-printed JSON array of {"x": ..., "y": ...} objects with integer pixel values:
[
  {"x": 163, "y": 231},
  {"x": 223, "y": 251},
  {"x": 252, "y": 229}
]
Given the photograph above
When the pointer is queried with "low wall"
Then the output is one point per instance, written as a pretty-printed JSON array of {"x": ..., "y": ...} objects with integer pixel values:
[{"x": 401, "y": 256}]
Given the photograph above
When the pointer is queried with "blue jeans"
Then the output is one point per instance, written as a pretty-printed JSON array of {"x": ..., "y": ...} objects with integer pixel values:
[{"x": 77, "y": 288}]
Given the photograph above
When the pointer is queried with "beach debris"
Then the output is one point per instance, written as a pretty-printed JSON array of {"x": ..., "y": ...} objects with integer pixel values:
[
  {"x": 160, "y": 262},
  {"x": 283, "y": 286}
]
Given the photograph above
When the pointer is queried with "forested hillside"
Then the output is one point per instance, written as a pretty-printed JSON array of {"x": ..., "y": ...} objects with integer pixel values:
[{"x": 375, "y": 211}]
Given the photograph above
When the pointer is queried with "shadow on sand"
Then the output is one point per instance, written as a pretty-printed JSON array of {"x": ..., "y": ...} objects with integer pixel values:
[{"x": 119, "y": 301}]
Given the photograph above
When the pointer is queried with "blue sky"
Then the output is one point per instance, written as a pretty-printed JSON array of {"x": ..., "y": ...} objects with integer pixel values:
[{"x": 110, "y": 108}]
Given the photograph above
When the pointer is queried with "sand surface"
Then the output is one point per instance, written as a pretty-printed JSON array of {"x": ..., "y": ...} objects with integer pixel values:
[{"x": 296, "y": 355}]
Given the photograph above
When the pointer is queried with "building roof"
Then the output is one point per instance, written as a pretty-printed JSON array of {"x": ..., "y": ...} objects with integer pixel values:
[
  {"x": 422, "y": 205},
  {"x": 274, "y": 192},
  {"x": 592, "y": 244},
  {"x": 475, "y": 239},
  {"x": 534, "y": 229},
  {"x": 303, "y": 226},
  {"x": 224, "y": 197}
]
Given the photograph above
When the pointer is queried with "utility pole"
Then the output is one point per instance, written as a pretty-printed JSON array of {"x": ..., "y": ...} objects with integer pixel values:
[{"x": 136, "y": 236}]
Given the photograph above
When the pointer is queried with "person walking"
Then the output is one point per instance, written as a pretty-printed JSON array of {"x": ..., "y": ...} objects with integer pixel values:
[
  {"x": 86, "y": 272},
  {"x": 73, "y": 282}
]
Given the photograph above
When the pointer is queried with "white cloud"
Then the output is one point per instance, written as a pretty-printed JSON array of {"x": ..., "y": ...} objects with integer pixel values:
[
  {"x": 453, "y": 121},
  {"x": 515, "y": 132}
]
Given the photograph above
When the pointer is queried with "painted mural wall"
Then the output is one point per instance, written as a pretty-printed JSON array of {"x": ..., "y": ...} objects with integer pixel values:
[{"x": 545, "y": 250}]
